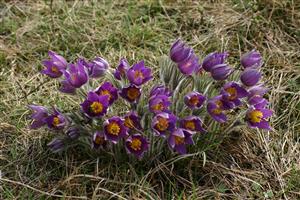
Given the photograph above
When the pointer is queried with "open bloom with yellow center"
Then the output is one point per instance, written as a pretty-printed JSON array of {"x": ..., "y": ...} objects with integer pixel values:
[
  {"x": 114, "y": 129},
  {"x": 132, "y": 121},
  {"x": 163, "y": 123},
  {"x": 231, "y": 93},
  {"x": 194, "y": 100},
  {"x": 178, "y": 140},
  {"x": 193, "y": 124},
  {"x": 131, "y": 93},
  {"x": 138, "y": 74},
  {"x": 55, "y": 66},
  {"x": 137, "y": 145},
  {"x": 56, "y": 120},
  {"x": 108, "y": 89},
  {"x": 159, "y": 103},
  {"x": 39, "y": 116},
  {"x": 256, "y": 118},
  {"x": 95, "y": 105},
  {"x": 215, "y": 108}
]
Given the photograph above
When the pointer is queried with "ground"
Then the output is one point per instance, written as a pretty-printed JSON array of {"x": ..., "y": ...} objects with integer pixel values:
[{"x": 250, "y": 164}]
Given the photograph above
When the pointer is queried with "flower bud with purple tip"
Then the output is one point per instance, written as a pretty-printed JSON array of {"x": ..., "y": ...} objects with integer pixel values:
[
  {"x": 39, "y": 116},
  {"x": 121, "y": 70},
  {"x": 180, "y": 51},
  {"x": 250, "y": 77},
  {"x": 220, "y": 72},
  {"x": 213, "y": 59},
  {"x": 251, "y": 59},
  {"x": 97, "y": 67},
  {"x": 56, "y": 145},
  {"x": 76, "y": 75}
]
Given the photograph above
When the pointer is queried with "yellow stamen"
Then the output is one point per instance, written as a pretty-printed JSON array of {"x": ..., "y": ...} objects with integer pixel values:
[
  {"x": 190, "y": 125},
  {"x": 232, "y": 92},
  {"x": 158, "y": 107},
  {"x": 55, "y": 121},
  {"x": 113, "y": 128},
  {"x": 96, "y": 107},
  {"x": 178, "y": 140},
  {"x": 138, "y": 74},
  {"x": 133, "y": 93},
  {"x": 255, "y": 116},
  {"x": 106, "y": 92},
  {"x": 54, "y": 69},
  {"x": 136, "y": 144},
  {"x": 162, "y": 124},
  {"x": 128, "y": 122},
  {"x": 99, "y": 140},
  {"x": 218, "y": 109},
  {"x": 194, "y": 100}
]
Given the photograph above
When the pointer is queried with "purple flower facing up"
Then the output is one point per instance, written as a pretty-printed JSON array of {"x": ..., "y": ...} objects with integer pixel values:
[
  {"x": 131, "y": 93},
  {"x": 256, "y": 117},
  {"x": 194, "y": 100},
  {"x": 56, "y": 145},
  {"x": 189, "y": 65},
  {"x": 108, "y": 89},
  {"x": 213, "y": 59},
  {"x": 97, "y": 67},
  {"x": 220, "y": 72},
  {"x": 193, "y": 124},
  {"x": 180, "y": 51},
  {"x": 215, "y": 108},
  {"x": 137, "y": 145},
  {"x": 39, "y": 116},
  {"x": 98, "y": 140},
  {"x": 251, "y": 59},
  {"x": 121, "y": 69},
  {"x": 160, "y": 90},
  {"x": 132, "y": 121},
  {"x": 178, "y": 140},
  {"x": 138, "y": 74},
  {"x": 250, "y": 77},
  {"x": 66, "y": 87},
  {"x": 76, "y": 75},
  {"x": 56, "y": 121},
  {"x": 114, "y": 129},
  {"x": 55, "y": 66},
  {"x": 159, "y": 103},
  {"x": 231, "y": 94},
  {"x": 163, "y": 123},
  {"x": 95, "y": 105},
  {"x": 258, "y": 101}
]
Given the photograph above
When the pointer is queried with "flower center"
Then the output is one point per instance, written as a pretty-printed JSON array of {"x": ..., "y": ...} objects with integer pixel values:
[
  {"x": 136, "y": 144},
  {"x": 218, "y": 109},
  {"x": 113, "y": 128},
  {"x": 106, "y": 92},
  {"x": 162, "y": 124},
  {"x": 178, "y": 140},
  {"x": 232, "y": 92},
  {"x": 190, "y": 125},
  {"x": 133, "y": 93},
  {"x": 158, "y": 107},
  {"x": 54, "y": 69},
  {"x": 194, "y": 100},
  {"x": 138, "y": 74},
  {"x": 99, "y": 140},
  {"x": 96, "y": 107},
  {"x": 55, "y": 121},
  {"x": 255, "y": 116},
  {"x": 128, "y": 122}
]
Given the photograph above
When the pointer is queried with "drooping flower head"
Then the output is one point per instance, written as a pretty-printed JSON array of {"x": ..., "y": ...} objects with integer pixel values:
[
  {"x": 137, "y": 145},
  {"x": 258, "y": 101},
  {"x": 163, "y": 123},
  {"x": 66, "y": 87},
  {"x": 257, "y": 118},
  {"x": 97, "y": 67},
  {"x": 178, "y": 140},
  {"x": 193, "y": 124},
  {"x": 56, "y": 145},
  {"x": 55, "y": 66},
  {"x": 180, "y": 51},
  {"x": 131, "y": 93},
  {"x": 98, "y": 140},
  {"x": 95, "y": 105},
  {"x": 214, "y": 59},
  {"x": 121, "y": 69},
  {"x": 132, "y": 121},
  {"x": 194, "y": 100},
  {"x": 39, "y": 116},
  {"x": 160, "y": 90},
  {"x": 108, "y": 89},
  {"x": 251, "y": 59},
  {"x": 114, "y": 129},
  {"x": 250, "y": 77},
  {"x": 220, "y": 72},
  {"x": 259, "y": 90},
  {"x": 56, "y": 120},
  {"x": 76, "y": 75},
  {"x": 232, "y": 92},
  {"x": 215, "y": 108},
  {"x": 159, "y": 103},
  {"x": 189, "y": 65},
  {"x": 139, "y": 74}
]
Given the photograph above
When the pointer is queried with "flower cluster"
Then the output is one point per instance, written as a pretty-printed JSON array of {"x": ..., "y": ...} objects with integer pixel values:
[{"x": 176, "y": 111}]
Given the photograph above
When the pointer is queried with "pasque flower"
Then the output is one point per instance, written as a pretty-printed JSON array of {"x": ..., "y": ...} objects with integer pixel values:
[
  {"x": 76, "y": 75},
  {"x": 189, "y": 65},
  {"x": 131, "y": 93},
  {"x": 160, "y": 90},
  {"x": 258, "y": 101},
  {"x": 98, "y": 140},
  {"x": 108, "y": 89},
  {"x": 132, "y": 121},
  {"x": 250, "y": 77},
  {"x": 180, "y": 51},
  {"x": 159, "y": 103},
  {"x": 137, "y": 145},
  {"x": 194, "y": 100},
  {"x": 220, "y": 71},
  {"x": 56, "y": 145},
  {"x": 251, "y": 59},
  {"x": 114, "y": 129},
  {"x": 163, "y": 123},
  {"x": 39, "y": 116},
  {"x": 213, "y": 59},
  {"x": 121, "y": 69},
  {"x": 66, "y": 87},
  {"x": 95, "y": 105},
  {"x": 138, "y": 74},
  {"x": 56, "y": 120},
  {"x": 193, "y": 124},
  {"x": 178, "y": 140},
  {"x": 259, "y": 90},
  {"x": 73, "y": 132},
  {"x": 256, "y": 118},
  {"x": 55, "y": 66},
  {"x": 97, "y": 67},
  {"x": 231, "y": 93},
  {"x": 215, "y": 108}
]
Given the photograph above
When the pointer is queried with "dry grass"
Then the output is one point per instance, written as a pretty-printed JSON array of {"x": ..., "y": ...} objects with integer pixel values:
[{"x": 249, "y": 164}]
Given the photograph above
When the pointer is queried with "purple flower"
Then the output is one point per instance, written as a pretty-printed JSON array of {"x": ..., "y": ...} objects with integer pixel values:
[
  {"x": 250, "y": 77},
  {"x": 95, "y": 105},
  {"x": 215, "y": 108},
  {"x": 114, "y": 129},
  {"x": 231, "y": 93},
  {"x": 108, "y": 89},
  {"x": 159, "y": 103},
  {"x": 258, "y": 101},
  {"x": 98, "y": 140},
  {"x": 131, "y": 93},
  {"x": 137, "y": 145},
  {"x": 66, "y": 87},
  {"x": 256, "y": 117},
  {"x": 180, "y": 51},
  {"x": 178, "y": 140},
  {"x": 55, "y": 66},
  {"x": 121, "y": 69},
  {"x": 56, "y": 145},
  {"x": 76, "y": 75},
  {"x": 251, "y": 59},
  {"x": 39, "y": 115},
  {"x": 138, "y": 74},
  {"x": 193, "y": 124},
  {"x": 56, "y": 120},
  {"x": 194, "y": 100},
  {"x": 220, "y": 72},
  {"x": 163, "y": 123},
  {"x": 214, "y": 59},
  {"x": 132, "y": 121},
  {"x": 160, "y": 90},
  {"x": 259, "y": 90},
  {"x": 189, "y": 65},
  {"x": 97, "y": 67}
]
